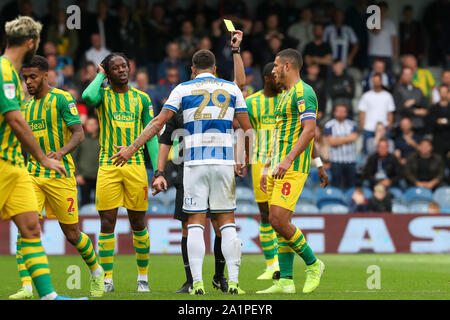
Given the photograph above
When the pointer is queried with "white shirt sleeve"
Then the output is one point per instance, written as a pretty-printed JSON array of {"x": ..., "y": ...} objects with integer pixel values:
[
  {"x": 241, "y": 106},
  {"x": 362, "y": 106},
  {"x": 173, "y": 102},
  {"x": 390, "y": 102},
  {"x": 353, "y": 37}
]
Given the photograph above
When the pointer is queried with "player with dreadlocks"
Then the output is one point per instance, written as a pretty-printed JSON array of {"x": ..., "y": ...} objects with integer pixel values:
[{"x": 123, "y": 112}]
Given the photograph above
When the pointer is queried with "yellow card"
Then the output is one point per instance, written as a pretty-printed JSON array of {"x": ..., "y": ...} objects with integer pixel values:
[{"x": 229, "y": 25}]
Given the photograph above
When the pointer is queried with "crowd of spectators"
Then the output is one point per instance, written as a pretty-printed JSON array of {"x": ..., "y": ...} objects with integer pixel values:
[{"x": 383, "y": 118}]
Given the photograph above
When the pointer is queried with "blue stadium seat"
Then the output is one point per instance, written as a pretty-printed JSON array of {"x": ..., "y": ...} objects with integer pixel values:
[
  {"x": 244, "y": 193},
  {"x": 329, "y": 195},
  {"x": 445, "y": 210},
  {"x": 416, "y": 193},
  {"x": 397, "y": 193},
  {"x": 88, "y": 210},
  {"x": 442, "y": 196},
  {"x": 334, "y": 208},
  {"x": 157, "y": 208},
  {"x": 247, "y": 207},
  {"x": 418, "y": 207},
  {"x": 307, "y": 196},
  {"x": 349, "y": 193},
  {"x": 306, "y": 208},
  {"x": 399, "y": 208}
]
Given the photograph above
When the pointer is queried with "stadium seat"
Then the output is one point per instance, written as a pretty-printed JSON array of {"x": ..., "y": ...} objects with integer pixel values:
[
  {"x": 329, "y": 195},
  {"x": 244, "y": 193},
  {"x": 306, "y": 208},
  {"x": 442, "y": 196},
  {"x": 418, "y": 207},
  {"x": 349, "y": 193},
  {"x": 416, "y": 193},
  {"x": 157, "y": 208},
  {"x": 334, "y": 208},
  {"x": 88, "y": 210},
  {"x": 397, "y": 193},
  {"x": 307, "y": 196},
  {"x": 399, "y": 208},
  {"x": 247, "y": 207},
  {"x": 445, "y": 210}
]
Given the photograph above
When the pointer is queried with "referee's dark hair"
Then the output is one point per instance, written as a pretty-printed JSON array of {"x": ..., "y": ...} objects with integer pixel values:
[
  {"x": 203, "y": 60},
  {"x": 293, "y": 56},
  {"x": 38, "y": 62}
]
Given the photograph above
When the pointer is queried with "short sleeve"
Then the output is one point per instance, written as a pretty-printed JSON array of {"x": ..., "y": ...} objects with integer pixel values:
[
  {"x": 68, "y": 109},
  {"x": 8, "y": 95},
  {"x": 240, "y": 106},
  {"x": 362, "y": 106},
  {"x": 352, "y": 35},
  {"x": 173, "y": 102},
  {"x": 390, "y": 102},
  {"x": 431, "y": 81},
  {"x": 328, "y": 131},
  {"x": 307, "y": 104}
]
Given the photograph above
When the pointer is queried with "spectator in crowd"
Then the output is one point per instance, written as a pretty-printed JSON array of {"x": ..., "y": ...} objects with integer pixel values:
[
  {"x": 201, "y": 6},
  {"x": 128, "y": 32},
  {"x": 266, "y": 8},
  {"x": 273, "y": 46},
  {"x": 322, "y": 147},
  {"x": 376, "y": 105},
  {"x": 65, "y": 40},
  {"x": 256, "y": 80},
  {"x": 358, "y": 203},
  {"x": 439, "y": 122},
  {"x": 141, "y": 16},
  {"x": 86, "y": 160},
  {"x": 142, "y": 82},
  {"x": 319, "y": 85},
  {"x": 303, "y": 31},
  {"x": 411, "y": 34},
  {"x": 383, "y": 42},
  {"x": 445, "y": 80},
  {"x": 87, "y": 74},
  {"x": 106, "y": 25},
  {"x": 318, "y": 52},
  {"x": 187, "y": 41},
  {"x": 380, "y": 133},
  {"x": 435, "y": 19},
  {"x": 341, "y": 135},
  {"x": 65, "y": 74},
  {"x": 49, "y": 48},
  {"x": 200, "y": 26},
  {"x": 342, "y": 40},
  {"x": 341, "y": 87},
  {"x": 378, "y": 66},
  {"x": 204, "y": 43},
  {"x": 382, "y": 167},
  {"x": 433, "y": 208},
  {"x": 172, "y": 60},
  {"x": 159, "y": 27},
  {"x": 407, "y": 141},
  {"x": 97, "y": 52},
  {"x": 424, "y": 168},
  {"x": 356, "y": 18},
  {"x": 381, "y": 200},
  {"x": 422, "y": 78},
  {"x": 410, "y": 101},
  {"x": 164, "y": 87},
  {"x": 54, "y": 80}
]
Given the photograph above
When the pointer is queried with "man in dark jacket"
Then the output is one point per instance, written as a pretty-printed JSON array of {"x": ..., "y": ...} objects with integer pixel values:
[
  {"x": 341, "y": 87},
  {"x": 424, "y": 168},
  {"x": 382, "y": 167}
]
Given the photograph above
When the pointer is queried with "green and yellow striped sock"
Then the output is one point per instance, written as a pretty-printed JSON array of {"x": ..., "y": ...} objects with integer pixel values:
[
  {"x": 268, "y": 240},
  {"x": 106, "y": 245},
  {"x": 300, "y": 246},
  {"x": 285, "y": 257},
  {"x": 36, "y": 263},
  {"x": 86, "y": 250},
  {"x": 141, "y": 243},
  {"x": 25, "y": 277}
]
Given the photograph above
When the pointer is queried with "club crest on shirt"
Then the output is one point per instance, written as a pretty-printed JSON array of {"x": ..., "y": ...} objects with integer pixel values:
[
  {"x": 134, "y": 102},
  {"x": 10, "y": 90}
]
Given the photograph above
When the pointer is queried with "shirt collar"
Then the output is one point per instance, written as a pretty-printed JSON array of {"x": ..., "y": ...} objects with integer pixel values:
[{"x": 204, "y": 75}]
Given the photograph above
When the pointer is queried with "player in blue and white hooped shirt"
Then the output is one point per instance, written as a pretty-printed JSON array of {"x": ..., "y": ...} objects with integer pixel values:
[{"x": 209, "y": 105}]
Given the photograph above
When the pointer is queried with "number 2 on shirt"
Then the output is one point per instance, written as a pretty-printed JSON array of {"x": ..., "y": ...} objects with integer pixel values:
[{"x": 223, "y": 105}]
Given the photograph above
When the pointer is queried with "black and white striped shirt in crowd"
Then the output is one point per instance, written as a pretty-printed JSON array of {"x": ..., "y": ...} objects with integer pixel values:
[{"x": 345, "y": 153}]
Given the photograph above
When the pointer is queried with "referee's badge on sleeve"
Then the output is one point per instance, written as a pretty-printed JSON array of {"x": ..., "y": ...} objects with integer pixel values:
[{"x": 10, "y": 90}]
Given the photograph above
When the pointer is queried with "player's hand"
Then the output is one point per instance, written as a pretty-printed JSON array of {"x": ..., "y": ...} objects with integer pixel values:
[
  {"x": 281, "y": 169},
  {"x": 53, "y": 164},
  {"x": 323, "y": 177},
  {"x": 80, "y": 180},
  {"x": 158, "y": 184},
  {"x": 55, "y": 155},
  {"x": 124, "y": 154},
  {"x": 100, "y": 69},
  {"x": 237, "y": 36}
]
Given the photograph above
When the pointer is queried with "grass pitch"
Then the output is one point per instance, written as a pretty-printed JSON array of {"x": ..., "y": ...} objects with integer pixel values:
[{"x": 402, "y": 276}]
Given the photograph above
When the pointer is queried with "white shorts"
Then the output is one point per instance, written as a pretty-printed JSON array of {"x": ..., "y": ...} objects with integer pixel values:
[{"x": 209, "y": 186}]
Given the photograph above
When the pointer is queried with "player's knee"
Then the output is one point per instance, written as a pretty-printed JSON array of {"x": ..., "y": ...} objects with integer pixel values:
[
  {"x": 31, "y": 230},
  {"x": 73, "y": 236},
  {"x": 275, "y": 221}
]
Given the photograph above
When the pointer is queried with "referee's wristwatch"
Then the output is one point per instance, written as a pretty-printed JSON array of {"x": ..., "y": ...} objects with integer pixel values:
[
  {"x": 158, "y": 173},
  {"x": 238, "y": 50}
]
